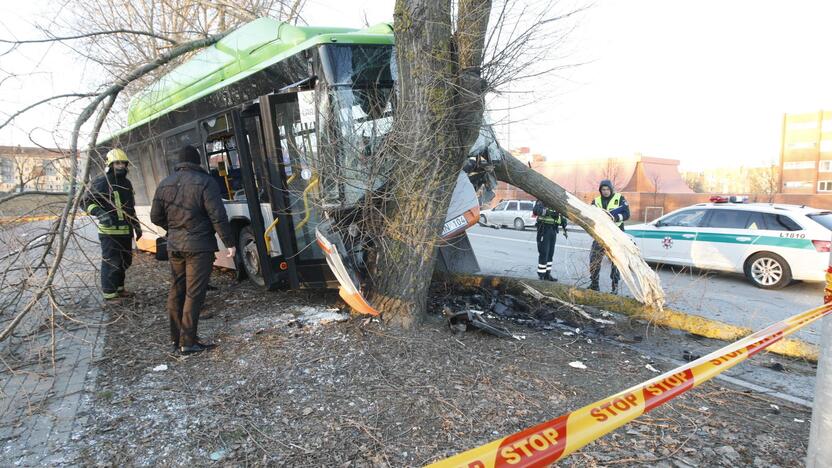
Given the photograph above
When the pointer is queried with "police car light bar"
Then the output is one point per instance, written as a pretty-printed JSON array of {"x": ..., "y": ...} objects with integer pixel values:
[{"x": 731, "y": 199}]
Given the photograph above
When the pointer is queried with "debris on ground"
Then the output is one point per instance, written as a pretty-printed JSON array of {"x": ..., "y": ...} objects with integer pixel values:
[{"x": 358, "y": 393}]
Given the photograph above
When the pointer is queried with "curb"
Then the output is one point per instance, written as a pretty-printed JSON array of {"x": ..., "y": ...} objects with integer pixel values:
[{"x": 690, "y": 323}]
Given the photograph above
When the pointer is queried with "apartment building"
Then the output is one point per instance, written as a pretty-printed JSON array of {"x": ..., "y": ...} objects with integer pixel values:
[
  {"x": 806, "y": 153},
  {"x": 32, "y": 169}
]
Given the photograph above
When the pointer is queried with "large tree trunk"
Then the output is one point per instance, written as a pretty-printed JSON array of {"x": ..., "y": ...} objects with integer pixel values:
[{"x": 439, "y": 114}]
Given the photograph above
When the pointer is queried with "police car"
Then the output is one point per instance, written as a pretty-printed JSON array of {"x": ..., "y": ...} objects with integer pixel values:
[{"x": 771, "y": 244}]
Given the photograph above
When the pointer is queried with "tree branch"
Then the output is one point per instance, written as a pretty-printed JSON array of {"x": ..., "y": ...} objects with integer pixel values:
[{"x": 92, "y": 34}]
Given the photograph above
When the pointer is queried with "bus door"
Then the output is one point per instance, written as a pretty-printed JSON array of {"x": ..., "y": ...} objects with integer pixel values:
[
  {"x": 291, "y": 147},
  {"x": 261, "y": 258}
]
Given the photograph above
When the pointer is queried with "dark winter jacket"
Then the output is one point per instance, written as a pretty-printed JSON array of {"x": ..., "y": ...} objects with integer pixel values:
[
  {"x": 110, "y": 199},
  {"x": 619, "y": 213},
  {"x": 188, "y": 205},
  {"x": 547, "y": 215}
]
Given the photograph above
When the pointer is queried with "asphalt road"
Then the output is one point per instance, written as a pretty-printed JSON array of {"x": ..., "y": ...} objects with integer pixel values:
[{"x": 721, "y": 296}]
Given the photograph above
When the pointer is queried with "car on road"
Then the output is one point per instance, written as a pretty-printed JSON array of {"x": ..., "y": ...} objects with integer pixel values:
[
  {"x": 771, "y": 244},
  {"x": 513, "y": 213}
]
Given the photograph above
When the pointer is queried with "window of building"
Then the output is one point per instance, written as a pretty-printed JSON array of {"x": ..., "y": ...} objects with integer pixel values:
[
  {"x": 797, "y": 184},
  {"x": 6, "y": 170},
  {"x": 825, "y": 186},
  {"x": 826, "y": 125},
  {"x": 803, "y": 125},
  {"x": 826, "y": 146},
  {"x": 798, "y": 165},
  {"x": 802, "y": 145},
  {"x": 49, "y": 168},
  {"x": 825, "y": 166}
]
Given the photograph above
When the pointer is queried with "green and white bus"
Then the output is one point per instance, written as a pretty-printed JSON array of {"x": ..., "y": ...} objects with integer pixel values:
[{"x": 285, "y": 118}]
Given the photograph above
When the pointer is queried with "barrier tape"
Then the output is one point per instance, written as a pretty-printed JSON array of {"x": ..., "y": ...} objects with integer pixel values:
[
  {"x": 827, "y": 291},
  {"x": 553, "y": 440}
]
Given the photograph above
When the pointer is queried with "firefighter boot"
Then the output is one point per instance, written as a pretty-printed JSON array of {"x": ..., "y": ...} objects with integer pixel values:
[{"x": 548, "y": 277}]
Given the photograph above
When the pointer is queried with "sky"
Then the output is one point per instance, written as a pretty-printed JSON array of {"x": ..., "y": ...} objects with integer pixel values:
[{"x": 706, "y": 82}]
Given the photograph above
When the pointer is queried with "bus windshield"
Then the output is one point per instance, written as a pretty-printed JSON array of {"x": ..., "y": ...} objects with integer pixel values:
[{"x": 360, "y": 92}]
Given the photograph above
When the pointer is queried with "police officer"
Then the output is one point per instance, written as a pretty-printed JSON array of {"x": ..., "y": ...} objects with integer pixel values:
[
  {"x": 110, "y": 199},
  {"x": 547, "y": 224},
  {"x": 616, "y": 207}
]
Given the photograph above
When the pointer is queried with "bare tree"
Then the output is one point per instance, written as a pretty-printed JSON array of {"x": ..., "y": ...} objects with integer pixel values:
[
  {"x": 448, "y": 59},
  {"x": 611, "y": 171},
  {"x": 695, "y": 181},
  {"x": 765, "y": 181}
]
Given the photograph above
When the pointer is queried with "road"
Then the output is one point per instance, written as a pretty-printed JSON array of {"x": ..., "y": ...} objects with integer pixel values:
[{"x": 721, "y": 296}]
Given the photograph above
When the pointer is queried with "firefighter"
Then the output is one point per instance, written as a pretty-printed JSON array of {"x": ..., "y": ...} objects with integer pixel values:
[
  {"x": 547, "y": 224},
  {"x": 110, "y": 199},
  {"x": 619, "y": 211}
]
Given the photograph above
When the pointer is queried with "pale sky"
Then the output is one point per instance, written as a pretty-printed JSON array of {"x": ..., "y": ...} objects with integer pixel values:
[{"x": 705, "y": 82}]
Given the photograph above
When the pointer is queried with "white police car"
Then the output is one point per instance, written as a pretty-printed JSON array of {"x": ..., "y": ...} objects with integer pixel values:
[{"x": 771, "y": 244}]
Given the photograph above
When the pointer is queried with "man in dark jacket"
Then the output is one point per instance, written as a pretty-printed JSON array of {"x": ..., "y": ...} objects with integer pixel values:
[
  {"x": 110, "y": 199},
  {"x": 619, "y": 211},
  {"x": 188, "y": 205},
  {"x": 548, "y": 221}
]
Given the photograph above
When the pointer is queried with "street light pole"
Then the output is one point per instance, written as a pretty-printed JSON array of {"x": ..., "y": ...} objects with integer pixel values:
[{"x": 820, "y": 435}]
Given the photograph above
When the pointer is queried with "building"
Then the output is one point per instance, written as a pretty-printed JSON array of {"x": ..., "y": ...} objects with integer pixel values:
[
  {"x": 32, "y": 169},
  {"x": 806, "y": 153},
  {"x": 742, "y": 180},
  {"x": 635, "y": 173}
]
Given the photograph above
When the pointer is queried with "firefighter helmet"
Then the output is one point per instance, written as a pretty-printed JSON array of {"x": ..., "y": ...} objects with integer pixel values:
[{"x": 116, "y": 154}]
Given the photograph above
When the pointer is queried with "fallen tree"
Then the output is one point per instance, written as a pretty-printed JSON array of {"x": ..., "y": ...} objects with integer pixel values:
[{"x": 643, "y": 282}]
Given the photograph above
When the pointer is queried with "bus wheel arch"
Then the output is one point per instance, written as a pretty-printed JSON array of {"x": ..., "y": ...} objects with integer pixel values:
[{"x": 246, "y": 261}]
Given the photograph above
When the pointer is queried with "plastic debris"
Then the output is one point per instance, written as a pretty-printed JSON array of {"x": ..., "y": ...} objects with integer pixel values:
[
  {"x": 160, "y": 367},
  {"x": 651, "y": 368},
  {"x": 577, "y": 365}
]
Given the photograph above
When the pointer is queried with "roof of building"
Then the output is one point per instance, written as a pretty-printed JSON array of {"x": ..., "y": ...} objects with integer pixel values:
[
  {"x": 635, "y": 173},
  {"x": 30, "y": 151}
]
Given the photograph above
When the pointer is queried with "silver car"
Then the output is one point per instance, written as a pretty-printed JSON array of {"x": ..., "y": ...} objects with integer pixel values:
[{"x": 514, "y": 213}]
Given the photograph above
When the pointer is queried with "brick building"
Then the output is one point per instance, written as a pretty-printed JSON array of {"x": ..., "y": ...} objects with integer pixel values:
[
  {"x": 32, "y": 169},
  {"x": 806, "y": 153}
]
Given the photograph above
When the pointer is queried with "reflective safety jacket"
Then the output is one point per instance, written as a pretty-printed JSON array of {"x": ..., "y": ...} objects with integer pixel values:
[
  {"x": 114, "y": 196},
  {"x": 549, "y": 216},
  {"x": 617, "y": 206}
]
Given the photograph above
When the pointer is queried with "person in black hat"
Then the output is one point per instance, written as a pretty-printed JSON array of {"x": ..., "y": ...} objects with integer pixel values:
[{"x": 188, "y": 205}]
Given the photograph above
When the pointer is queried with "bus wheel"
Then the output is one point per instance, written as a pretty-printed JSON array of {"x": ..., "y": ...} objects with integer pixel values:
[{"x": 248, "y": 253}]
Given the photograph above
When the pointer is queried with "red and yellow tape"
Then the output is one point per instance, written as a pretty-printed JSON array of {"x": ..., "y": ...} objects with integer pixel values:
[{"x": 553, "y": 440}]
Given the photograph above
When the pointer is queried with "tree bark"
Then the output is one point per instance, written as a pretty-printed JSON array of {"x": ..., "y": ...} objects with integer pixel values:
[{"x": 440, "y": 111}]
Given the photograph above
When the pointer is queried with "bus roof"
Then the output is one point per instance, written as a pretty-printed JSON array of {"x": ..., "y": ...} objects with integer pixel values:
[{"x": 247, "y": 50}]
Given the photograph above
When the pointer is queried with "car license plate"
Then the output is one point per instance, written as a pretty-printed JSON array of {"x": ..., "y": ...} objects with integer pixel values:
[{"x": 453, "y": 225}]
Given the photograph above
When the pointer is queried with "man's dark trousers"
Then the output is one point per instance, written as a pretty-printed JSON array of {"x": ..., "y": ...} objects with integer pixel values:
[
  {"x": 116, "y": 258},
  {"x": 596, "y": 256},
  {"x": 547, "y": 235},
  {"x": 191, "y": 272}
]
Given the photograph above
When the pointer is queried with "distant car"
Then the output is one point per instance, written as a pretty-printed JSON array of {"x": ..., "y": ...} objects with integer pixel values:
[
  {"x": 514, "y": 213},
  {"x": 770, "y": 244}
]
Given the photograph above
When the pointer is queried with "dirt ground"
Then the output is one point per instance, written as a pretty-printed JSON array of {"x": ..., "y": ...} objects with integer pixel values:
[
  {"x": 277, "y": 391},
  {"x": 31, "y": 205}
]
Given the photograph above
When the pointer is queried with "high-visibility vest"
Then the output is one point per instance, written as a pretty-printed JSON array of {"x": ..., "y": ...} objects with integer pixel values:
[
  {"x": 614, "y": 203},
  {"x": 548, "y": 217}
]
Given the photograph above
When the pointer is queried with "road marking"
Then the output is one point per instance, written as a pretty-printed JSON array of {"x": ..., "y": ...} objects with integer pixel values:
[{"x": 557, "y": 246}]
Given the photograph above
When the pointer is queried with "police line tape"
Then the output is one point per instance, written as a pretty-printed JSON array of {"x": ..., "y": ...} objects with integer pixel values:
[{"x": 553, "y": 440}]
